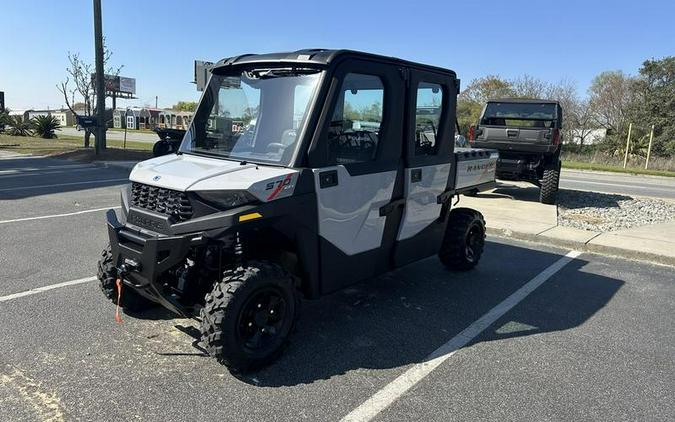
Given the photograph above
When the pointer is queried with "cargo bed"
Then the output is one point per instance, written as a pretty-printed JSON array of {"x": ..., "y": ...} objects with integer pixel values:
[{"x": 475, "y": 169}]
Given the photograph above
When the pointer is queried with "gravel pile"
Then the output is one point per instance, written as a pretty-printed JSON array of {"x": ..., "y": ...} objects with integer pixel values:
[{"x": 603, "y": 212}]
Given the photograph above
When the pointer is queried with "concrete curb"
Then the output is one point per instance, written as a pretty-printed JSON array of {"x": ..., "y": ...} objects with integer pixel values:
[{"x": 584, "y": 247}]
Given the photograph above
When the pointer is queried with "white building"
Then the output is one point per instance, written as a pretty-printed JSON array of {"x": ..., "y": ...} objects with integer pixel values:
[{"x": 590, "y": 136}]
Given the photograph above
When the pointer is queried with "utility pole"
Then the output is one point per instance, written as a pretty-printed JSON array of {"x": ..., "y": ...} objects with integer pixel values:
[
  {"x": 100, "y": 80},
  {"x": 625, "y": 157},
  {"x": 649, "y": 148},
  {"x": 156, "y": 101}
]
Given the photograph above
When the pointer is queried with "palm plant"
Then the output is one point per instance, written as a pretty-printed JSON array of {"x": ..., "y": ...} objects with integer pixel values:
[
  {"x": 44, "y": 126},
  {"x": 17, "y": 127}
]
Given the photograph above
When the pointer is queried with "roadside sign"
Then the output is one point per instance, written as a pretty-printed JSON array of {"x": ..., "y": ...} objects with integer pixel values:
[{"x": 86, "y": 121}]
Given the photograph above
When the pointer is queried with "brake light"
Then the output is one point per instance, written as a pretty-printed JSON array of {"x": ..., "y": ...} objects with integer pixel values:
[
  {"x": 556, "y": 136},
  {"x": 472, "y": 133}
]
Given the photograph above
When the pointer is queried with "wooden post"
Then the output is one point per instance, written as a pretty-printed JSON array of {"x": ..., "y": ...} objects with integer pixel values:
[
  {"x": 649, "y": 148},
  {"x": 625, "y": 158}
]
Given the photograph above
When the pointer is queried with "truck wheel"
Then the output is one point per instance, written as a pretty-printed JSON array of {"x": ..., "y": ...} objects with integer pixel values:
[
  {"x": 248, "y": 316},
  {"x": 464, "y": 239},
  {"x": 549, "y": 185},
  {"x": 107, "y": 275}
]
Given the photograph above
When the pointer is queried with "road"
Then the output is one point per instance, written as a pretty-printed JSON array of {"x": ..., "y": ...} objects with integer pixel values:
[
  {"x": 113, "y": 134},
  {"x": 626, "y": 184},
  {"x": 528, "y": 335}
]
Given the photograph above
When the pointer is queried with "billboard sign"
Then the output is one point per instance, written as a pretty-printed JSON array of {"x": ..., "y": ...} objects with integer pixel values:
[
  {"x": 117, "y": 84},
  {"x": 127, "y": 85}
]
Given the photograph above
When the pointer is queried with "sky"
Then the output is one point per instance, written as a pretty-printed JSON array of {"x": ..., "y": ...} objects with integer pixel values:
[{"x": 157, "y": 41}]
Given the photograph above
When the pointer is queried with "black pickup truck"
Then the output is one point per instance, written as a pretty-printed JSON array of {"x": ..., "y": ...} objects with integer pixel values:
[{"x": 527, "y": 135}]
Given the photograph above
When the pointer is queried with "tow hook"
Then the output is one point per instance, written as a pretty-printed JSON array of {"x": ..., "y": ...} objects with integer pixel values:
[{"x": 122, "y": 270}]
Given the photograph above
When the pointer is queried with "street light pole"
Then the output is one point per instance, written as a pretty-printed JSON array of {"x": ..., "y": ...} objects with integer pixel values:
[{"x": 100, "y": 81}]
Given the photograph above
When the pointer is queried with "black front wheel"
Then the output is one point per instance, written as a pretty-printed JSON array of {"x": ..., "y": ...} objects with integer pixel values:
[
  {"x": 464, "y": 239},
  {"x": 248, "y": 316},
  {"x": 107, "y": 277}
]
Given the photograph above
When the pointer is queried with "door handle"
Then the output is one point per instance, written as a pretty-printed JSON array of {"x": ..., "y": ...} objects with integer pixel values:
[
  {"x": 415, "y": 175},
  {"x": 328, "y": 178},
  {"x": 390, "y": 207}
]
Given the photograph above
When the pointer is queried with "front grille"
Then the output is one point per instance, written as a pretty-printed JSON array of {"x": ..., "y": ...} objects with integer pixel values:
[{"x": 161, "y": 200}]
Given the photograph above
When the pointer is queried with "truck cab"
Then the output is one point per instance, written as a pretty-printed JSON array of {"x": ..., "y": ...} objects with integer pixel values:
[{"x": 301, "y": 173}]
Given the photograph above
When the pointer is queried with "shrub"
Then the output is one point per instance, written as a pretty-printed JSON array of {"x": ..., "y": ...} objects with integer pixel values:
[
  {"x": 44, "y": 126},
  {"x": 17, "y": 127}
]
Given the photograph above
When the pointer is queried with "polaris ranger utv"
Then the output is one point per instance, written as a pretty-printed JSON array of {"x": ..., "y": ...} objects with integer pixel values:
[
  {"x": 527, "y": 135},
  {"x": 301, "y": 173}
]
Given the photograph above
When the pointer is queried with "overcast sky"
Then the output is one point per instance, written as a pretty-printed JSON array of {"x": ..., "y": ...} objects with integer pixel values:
[{"x": 158, "y": 40}]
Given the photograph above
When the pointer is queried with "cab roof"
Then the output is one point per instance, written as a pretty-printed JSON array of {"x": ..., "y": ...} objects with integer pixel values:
[
  {"x": 323, "y": 58},
  {"x": 523, "y": 100}
]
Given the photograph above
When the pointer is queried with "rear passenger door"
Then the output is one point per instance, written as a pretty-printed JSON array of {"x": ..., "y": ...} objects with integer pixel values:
[
  {"x": 428, "y": 163},
  {"x": 357, "y": 168}
]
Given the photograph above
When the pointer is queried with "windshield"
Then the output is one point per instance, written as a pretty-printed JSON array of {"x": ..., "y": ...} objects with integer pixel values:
[
  {"x": 520, "y": 114},
  {"x": 254, "y": 115}
]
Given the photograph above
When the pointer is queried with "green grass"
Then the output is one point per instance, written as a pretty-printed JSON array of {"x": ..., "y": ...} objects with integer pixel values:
[
  {"x": 70, "y": 144},
  {"x": 578, "y": 165}
]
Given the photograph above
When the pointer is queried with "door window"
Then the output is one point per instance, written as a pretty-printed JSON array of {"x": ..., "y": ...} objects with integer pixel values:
[
  {"x": 354, "y": 131},
  {"x": 427, "y": 117}
]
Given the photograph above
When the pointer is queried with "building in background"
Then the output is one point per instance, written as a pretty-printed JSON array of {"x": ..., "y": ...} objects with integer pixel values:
[
  {"x": 588, "y": 136},
  {"x": 138, "y": 118}
]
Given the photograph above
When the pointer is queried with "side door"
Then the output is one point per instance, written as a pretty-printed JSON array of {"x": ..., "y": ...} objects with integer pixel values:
[
  {"x": 429, "y": 146},
  {"x": 357, "y": 168}
]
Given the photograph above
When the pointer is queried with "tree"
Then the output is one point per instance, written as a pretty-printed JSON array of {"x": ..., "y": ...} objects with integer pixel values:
[
  {"x": 486, "y": 88},
  {"x": 609, "y": 95},
  {"x": 79, "y": 73},
  {"x": 185, "y": 106},
  {"x": 44, "y": 126},
  {"x": 653, "y": 103},
  {"x": 470, "y": 102}
]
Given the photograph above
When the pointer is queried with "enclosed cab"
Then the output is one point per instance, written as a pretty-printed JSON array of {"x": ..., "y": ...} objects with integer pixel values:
[
  {"x": 527, "y": 134},
  {"x": 301, "y": 173}
]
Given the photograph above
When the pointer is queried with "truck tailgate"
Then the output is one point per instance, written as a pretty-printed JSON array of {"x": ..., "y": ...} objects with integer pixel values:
[
  {"x": 510, "y": 134},
  {"x": 475, "y": 168}
]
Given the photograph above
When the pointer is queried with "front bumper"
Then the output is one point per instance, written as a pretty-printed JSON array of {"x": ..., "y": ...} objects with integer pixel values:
[{"x": 141, "y": 259}]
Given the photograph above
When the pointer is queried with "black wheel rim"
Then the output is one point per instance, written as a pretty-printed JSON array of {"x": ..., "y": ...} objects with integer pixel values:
[
  {"x": 261, "y": 320},
  {"x": 474, "y": 239}
]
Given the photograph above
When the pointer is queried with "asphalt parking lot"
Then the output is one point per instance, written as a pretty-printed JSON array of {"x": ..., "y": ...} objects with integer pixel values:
[{"x": 593, "y": 340}]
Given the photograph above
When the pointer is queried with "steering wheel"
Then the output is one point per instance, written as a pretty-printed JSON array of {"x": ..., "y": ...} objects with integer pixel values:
[{"x": 275, "y": 147}]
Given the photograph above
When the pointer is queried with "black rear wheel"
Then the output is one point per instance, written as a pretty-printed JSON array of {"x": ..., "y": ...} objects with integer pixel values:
[
  {"x": 464, "y": 239},
  {"x": 548, "y": 192},
  {"x": 248, "y": 316}
]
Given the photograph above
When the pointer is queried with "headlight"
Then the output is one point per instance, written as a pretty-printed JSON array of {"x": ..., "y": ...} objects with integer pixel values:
[{"x": 225, "y": 200}]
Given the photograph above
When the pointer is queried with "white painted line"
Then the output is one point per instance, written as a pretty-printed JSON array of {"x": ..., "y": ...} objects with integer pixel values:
[
  {"x": 90, "y": 182},
  {"x": 46, "y": 288},
  {"x": 395, "y": 389},
  {"x": 46, "y": 172},
  {"x": 42, "y": 217},
  {"x": 31, "y": 169}
]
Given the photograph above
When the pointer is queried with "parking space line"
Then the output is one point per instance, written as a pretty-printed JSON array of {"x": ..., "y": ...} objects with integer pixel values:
[
  {"x": 31, "y": 169},
  {"x": 89, "y": 182},
  {"x": 46, "y": 288},
  {"x": 395, "y": 389},
  {"x": 42, "y": 217},
  {"x": 46, "y": 172}
]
